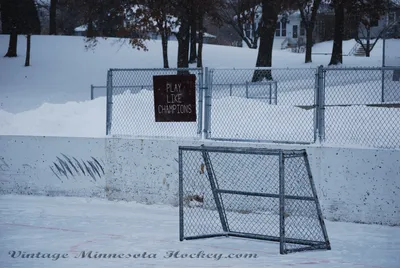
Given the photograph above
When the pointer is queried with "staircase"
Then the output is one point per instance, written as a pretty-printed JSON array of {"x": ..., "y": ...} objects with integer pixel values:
[{"x": 360, "y": 52}]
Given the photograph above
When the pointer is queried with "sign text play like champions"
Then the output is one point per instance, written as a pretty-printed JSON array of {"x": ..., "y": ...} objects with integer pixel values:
[{"x": 175, "y": 98}]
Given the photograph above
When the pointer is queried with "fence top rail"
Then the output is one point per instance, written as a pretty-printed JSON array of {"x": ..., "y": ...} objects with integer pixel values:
[
  {"x": 243, "y": 150},
  {"x": 356, "y": 68},
  {"x": 246, "y": 83},
  {"x": 361, "y": 68},
  {"x": 264, "y": 68},
  {"x": 155, "y": 69}
]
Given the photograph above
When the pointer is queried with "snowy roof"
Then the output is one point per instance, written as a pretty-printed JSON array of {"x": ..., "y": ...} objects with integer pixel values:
[
  {"x": 81, "y": 28},
  {"x": 209, "y": 35}
]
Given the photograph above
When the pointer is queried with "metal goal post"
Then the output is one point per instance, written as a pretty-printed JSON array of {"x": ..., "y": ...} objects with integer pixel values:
[{"x": 250, "y": 193}]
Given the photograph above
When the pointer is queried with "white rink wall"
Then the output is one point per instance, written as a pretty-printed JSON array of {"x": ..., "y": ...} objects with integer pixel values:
[
  {"x": 40, "y": 166},
  {"x": 353, "y": 184}
]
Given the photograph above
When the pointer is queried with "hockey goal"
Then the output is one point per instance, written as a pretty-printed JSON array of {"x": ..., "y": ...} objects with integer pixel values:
[{"x": 252, "y": 193}]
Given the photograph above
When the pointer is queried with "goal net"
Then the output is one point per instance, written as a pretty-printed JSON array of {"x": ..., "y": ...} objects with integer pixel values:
[{"x": 252, "y": 193}]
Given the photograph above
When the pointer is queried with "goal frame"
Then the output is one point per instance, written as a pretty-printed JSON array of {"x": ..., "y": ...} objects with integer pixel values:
[{"x": 282, "y": 154}]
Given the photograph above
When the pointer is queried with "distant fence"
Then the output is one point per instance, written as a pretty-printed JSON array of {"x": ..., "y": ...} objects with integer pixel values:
[
  {"x": 95, "y": 89},
  {"x": 346, "y": 106}
]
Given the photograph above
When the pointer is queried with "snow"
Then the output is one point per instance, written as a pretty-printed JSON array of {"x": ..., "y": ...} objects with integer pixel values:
[
  {"x": 52, "y": 96},
  {"x": 61, "y": 225},
  {"x": 86, "y": 119},
  {"x": 66, "y": 110},
  {"x": 81, "y": 28}
]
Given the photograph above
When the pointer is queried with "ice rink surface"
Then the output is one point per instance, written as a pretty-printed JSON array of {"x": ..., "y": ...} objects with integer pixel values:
[{"x": 65, "y": 232}]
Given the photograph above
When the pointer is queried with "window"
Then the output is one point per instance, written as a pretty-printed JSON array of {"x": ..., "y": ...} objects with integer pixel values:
[
  {"x": 302, "y": 29},
  {"x": 283, "y": 28},
  {"x": 295, "y": 31},
  {"x": 391, "y": 17},
  {"x": 278, "y": 29}
]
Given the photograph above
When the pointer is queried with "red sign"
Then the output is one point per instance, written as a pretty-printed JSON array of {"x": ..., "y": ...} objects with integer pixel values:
[{"x": 175, "y": 98}]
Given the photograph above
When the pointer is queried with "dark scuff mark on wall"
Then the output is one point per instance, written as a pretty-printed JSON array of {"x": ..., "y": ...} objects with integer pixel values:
[
  {"x": 3, "y": 164},
  {"x": 70, "y": 166}
]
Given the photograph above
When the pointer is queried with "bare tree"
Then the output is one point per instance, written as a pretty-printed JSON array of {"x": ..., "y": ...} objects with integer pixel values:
[
  {"x": 182, "y": 9},
  {"x": 10, "y": 25},
  {"x": 367, "y": 15},
  {"x": 53, "y": 17},
  {"x": 124, "y": 19},
  {"x": 209, "y": 9},
  {"x": 193, "y": 31},
  {"x": 28, "y": 50},
  {"x": 240, "y": 14},
  {"x": 308, "y": 12},
  {"x": 19, "y": 17},
  {"x": 30, "y": 24},
  {"x": 337, "y": 49},
  {"x": 160, "y": 13},
  {"x": 270, "y": 12}
]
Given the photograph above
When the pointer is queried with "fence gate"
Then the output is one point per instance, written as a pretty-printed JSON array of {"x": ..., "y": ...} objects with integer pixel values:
[
  {"x": 130, "y": 104},
  {"x": 264, "y": 104}
]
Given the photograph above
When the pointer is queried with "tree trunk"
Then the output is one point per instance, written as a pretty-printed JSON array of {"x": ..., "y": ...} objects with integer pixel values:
[
  {"x": 90, "y": 29},
  {"x": 28, "y": 50},
  {"x": 53, "y": 11},
  {"x": 29, "y": 18},
  {"x": 368, "y": 47},
  {"x": 309, "y": 41},
  {"x": 337, "y": 50},
  {"x": 309, "y": 24},
  {"x": 12, "y": 45},
  {"x": 201, "y": 40},
  {"x": 193, "y": 36},
  {"x": 164, "y": 41},
  {"x": 255, "y": 35},
  {"x": 183, "y": 52},
  {"x": 267, "y": 33},
  {"x": 183, "y": 37}
]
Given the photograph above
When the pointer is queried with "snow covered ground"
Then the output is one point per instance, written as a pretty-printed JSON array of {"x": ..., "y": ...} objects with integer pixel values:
[
  {"x": 72, "y": 227},
  {"x": 52, "y": 96}
]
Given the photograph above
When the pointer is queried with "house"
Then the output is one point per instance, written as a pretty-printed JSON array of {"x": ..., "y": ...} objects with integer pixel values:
[
  {"x": 290, "y": 30},
  {"x": 389, "y": 22}
]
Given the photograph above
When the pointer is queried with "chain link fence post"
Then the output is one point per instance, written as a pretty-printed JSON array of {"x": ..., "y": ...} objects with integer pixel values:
[
  {"x": 207, "y": 103},
  {"x": 319, "y": 115},
  {"x": 321, "y": 83},
  {"x": 91, "y": 92},
  {"x": 316, "y": 106},
  {"x": 200, "y": 102},
  {"x": 109, "y": 102}
]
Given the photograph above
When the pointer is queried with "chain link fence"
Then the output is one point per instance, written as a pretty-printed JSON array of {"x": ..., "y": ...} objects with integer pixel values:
[
  {"x": 362, "y": 107},
  {"x": 277, "y": 108},
  {"x": 248, "y": 192},
  {"x": 97, "y": 91},
  {"x": 343, "y": 106},
  {"x": 391, "y": 53},
  {"x": 130, "y": 104}
]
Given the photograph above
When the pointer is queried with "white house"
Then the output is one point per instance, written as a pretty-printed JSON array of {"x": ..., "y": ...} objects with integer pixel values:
[{"x": 289, "y": 29}]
